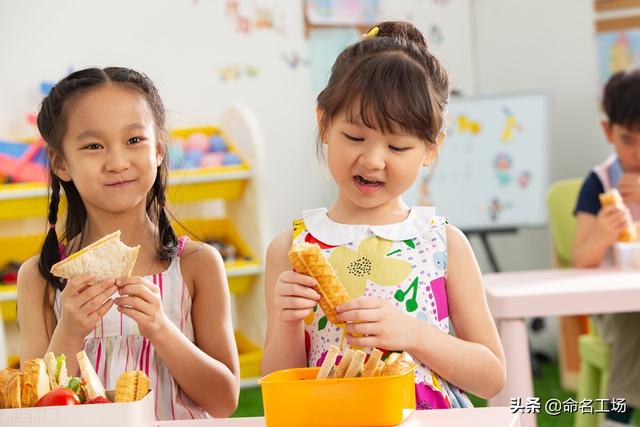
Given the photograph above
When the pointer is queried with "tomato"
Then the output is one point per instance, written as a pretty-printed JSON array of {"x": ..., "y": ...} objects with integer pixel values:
[{"x": 59, "y": 397}]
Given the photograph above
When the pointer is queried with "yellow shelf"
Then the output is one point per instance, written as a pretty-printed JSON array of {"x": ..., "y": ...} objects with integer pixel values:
[
  {"x": 29, "y": 200},
  {"x": 250, "y": 355},
  {"x": 8, "y": 295},
  {"x": 242, "y": 271}
]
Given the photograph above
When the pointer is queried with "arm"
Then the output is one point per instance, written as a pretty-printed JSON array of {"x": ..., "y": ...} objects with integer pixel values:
[
  {"x": 289, "y": 300},
  {"x": 473, "y": 360},
  {"x": 33, "y": 312},
  {"x": 211, "y": 363}
]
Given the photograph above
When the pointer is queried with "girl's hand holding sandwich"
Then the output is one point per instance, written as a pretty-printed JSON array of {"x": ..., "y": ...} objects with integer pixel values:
[
  {"x": 141, "y": 300},
  {"x": 83, "y": 304}
]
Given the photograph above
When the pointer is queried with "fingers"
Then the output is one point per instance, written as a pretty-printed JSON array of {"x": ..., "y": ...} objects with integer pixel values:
[
  {"x": 102, "y": 291},
  {"x": 294, "y": 303},
  {"x": 362, "y": 303},
  {"x": 297, "y": 278},
  {"x": 360, "y": 315},
  {"x": 136, "y": 315},
  {"x": 105, "y": 307},
  {"x": 295, "y": 290},
  {"x": 78, "y": 283},
  {"x": 139, "y": 290},
  {"x": 367, "y": 328},
  {"x": 135, "y": 303}
]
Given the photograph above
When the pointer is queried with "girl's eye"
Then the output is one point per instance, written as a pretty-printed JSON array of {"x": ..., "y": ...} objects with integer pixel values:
[
  {"x": 353, "y": 138},
  {"x": 135, "y": 140},
  {"x": 399, "y": 149},
  {"x": 92, "y": 147}
]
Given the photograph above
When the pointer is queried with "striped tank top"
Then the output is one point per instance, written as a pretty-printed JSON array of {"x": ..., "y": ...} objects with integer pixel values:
[{"x": 115, "y": 345}]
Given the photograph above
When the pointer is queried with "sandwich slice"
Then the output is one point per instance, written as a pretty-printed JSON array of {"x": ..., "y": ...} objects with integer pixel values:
[
  {"x": 56, "y": 369},
  {"x": 92, "y": 385},
  {"x": 34, "y": 382},
  {"x": 329, "y": 363},
  {"x": 9, "y": 388},
  {"x": 106, "y": 258},
  {"x": 131, "y": 386}
]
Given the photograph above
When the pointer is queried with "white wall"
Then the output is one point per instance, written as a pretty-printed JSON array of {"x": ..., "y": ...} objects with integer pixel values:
[{"x": 549, "y": 45}]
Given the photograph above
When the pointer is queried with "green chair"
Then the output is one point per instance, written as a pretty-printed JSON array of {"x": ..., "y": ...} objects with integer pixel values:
[{"x": 595, "y": 354}]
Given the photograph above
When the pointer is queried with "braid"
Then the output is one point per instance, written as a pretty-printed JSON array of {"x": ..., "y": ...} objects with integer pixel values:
[{"x": 50, "y": 253}]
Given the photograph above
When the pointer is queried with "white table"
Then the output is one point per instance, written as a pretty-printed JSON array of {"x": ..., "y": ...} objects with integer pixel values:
[
  {"x": 477, "y": 417},
  {"x": 515, "y": 296}
]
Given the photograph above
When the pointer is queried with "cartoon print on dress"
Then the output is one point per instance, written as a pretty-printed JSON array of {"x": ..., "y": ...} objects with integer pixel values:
[
  {"x": 440, "y": 260},
  {"x": 411, "y": 304},
  {"x": 368, "y": 263}
]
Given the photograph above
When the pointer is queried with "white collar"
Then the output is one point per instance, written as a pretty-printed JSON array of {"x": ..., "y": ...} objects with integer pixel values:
[{"x": 332, "y": 233}]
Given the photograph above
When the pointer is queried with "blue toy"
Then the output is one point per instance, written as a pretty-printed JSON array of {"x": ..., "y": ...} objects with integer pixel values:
[
  {"x": 217, "y": 144},
  {"x": 230, "y": 159}
]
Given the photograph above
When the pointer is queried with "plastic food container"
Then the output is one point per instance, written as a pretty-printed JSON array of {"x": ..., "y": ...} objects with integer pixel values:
[
  {"x": 293, "y": 397},
  {"x": 627, "y": 255},
  {"x": 130, "y": 414}
]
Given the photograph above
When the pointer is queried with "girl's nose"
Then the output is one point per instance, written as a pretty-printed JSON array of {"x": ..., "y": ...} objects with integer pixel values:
[
  {"x": 372, "y": 159},
  {"x": 117, "y": 160}
]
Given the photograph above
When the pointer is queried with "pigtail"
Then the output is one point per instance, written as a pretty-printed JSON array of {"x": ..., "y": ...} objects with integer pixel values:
[
  {"x": 50, "y": 253},
  {"x": 167, "y": 245}
]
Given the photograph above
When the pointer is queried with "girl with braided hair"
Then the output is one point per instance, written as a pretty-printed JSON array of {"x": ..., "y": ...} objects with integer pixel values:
[{"x": 106, "y": 145}]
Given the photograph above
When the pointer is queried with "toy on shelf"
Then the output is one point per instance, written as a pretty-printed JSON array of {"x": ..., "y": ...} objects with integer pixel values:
[
  {"x": 201, "y": 148},
  {"x": 23, "y": 161},
  {"x": 9, "y": 273}
]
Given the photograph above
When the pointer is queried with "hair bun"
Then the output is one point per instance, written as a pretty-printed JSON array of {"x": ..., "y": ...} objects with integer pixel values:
[{"x": 402, "y": 30}]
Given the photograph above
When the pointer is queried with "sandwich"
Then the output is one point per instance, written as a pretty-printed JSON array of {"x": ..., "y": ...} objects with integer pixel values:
[
  {"x": 57, "y": 370},
  {"x": 9, "y": 388},
  {"x": 399, "y": 364},
  {"x": 306, "y": 258},
  {"x": 131, "y": 386},
  {"x": 34, "y": 382},
  {"x": 353, "y": 364},
  {"x": 91, "y": 383},
  {"x": 613, "y": 197},
  {"x": 106, "y": 258}
]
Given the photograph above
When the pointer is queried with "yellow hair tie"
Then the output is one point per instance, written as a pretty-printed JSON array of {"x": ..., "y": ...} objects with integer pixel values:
[{"x": 373, "y": 32}]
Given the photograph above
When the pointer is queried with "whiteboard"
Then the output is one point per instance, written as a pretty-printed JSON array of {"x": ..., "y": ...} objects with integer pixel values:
[{"x": 492, "y": 171}]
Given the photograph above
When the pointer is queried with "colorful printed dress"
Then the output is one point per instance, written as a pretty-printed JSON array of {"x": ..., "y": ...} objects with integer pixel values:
[
  {"x": 115, "y": 345},
  {"x": 405, "y": 263}
]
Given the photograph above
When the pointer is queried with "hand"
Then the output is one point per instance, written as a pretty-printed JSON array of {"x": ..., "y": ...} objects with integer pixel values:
[
  {"x": 83, "y": 304},
  {"x": 373, "y": 322},
  {"x": 613, "y": 220},
  {"x": 629, "y": 187},
  {"x": 295, "y": 296},
  {"x": 140, "y": 300}
]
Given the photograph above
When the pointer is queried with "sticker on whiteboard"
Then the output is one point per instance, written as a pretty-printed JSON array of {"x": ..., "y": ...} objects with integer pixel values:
[
  {"x": 502, "y": 164},
  {"x": 467, "y": 125},
  {"x": 496, "y": 208},
  {"x": 524, "y": 179},
  {"x": 511, "y": 125}
]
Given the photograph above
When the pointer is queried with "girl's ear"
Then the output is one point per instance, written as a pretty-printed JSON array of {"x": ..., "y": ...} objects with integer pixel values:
[
  {"x": 161, "y": 151},
  {"x": 319, "y": 114},
  {"x": 59, "y": 166},
  {"x": 433, "y": 149}
]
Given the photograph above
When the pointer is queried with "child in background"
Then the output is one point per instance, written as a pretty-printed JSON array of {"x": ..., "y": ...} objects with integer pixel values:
[
  {"x": 106, "y": 139},
  {"x": 598, "y": 228},
  {"x": 381, "y": 118}
]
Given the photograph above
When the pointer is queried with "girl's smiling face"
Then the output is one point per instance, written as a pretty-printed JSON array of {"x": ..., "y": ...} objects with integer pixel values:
[
  {"x": 373, "y": 168},
  {"x": 110, "y": 148}
]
